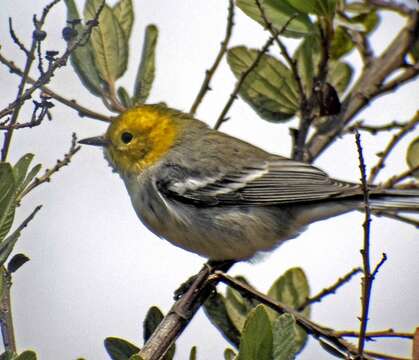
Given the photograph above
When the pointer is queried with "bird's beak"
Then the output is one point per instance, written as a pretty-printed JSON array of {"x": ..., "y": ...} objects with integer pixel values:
[{"x": 95, "y": 141}]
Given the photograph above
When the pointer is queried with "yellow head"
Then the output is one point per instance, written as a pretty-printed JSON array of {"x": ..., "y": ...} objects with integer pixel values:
[{"x": 139, "y": 137}]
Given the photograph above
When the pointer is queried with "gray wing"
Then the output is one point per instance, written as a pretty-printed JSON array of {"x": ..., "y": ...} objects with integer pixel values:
[{"x": 268, "y": 182}]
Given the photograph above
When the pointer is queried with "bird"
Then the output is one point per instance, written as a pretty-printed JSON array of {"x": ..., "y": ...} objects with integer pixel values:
[{"x": 218, "y": 196}]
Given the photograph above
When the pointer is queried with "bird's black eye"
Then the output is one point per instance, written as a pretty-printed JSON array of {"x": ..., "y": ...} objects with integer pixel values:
[{"x": 126, "y": 137}]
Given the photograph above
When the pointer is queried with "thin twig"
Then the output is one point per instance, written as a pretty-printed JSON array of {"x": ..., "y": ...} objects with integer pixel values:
[
  {"x": 82, "y": 111},
  {"x": 411, "y": 72},
  {"x": 377, "y": 355},
  {"x": 16, "y": 39},
  {"x": 388, "y": 333},
  {"x": 399, "y": 178},
  {"x": 210, "y": 72},
  {"x": 59, "y": 62},
  {"x": 291, "y": 62},
  {"x": 392, "y": 143},
  {"x": 360, "y": 39},
  {"x": 375, "y": 129},
  {"x": 378, "y": 266},
  {"x": 74, "y": 148},
  {"x": 365, "y": 251},
  {"x": 6, "y": 318},
  {"x": 222, "y": 118},
  {"x": 331, "y": 289},
  {"x": 398, "y": 217},
  {"x": 318, "y": 331},
  {"x": 415, "y": 345}
]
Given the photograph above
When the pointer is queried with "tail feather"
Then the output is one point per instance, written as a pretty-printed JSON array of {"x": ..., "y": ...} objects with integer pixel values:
[{"x": 395, "y": 200}]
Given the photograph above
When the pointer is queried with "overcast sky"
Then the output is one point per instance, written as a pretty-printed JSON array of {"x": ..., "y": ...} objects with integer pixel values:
[{"x": 95, "y": 270}]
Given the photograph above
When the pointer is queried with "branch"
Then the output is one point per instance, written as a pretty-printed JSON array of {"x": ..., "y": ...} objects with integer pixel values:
[
  {"x": 318, "y": 331},
  {"x": 291, "y": 62},
  {"x": 222, "y": 117},
  {"x": 398, "y": 217},
  {"x": 82, "y": 111},
  {"x": 389, "y": 333},
  {"x": 374, "y": 129},
  {"x": 398, "y": 178},
  {"x": 366, "y": 88},
  {"x": 6, "y": 318},
  {"x": 331, "y": 289},
  {"x": 210, "y": 72},
  {"x": 74, "y": 148},
  {"x": 393, "y": 142},
  {"x": 365, "y": 251},
  {"x": 182, "y": 312},
  {"x": 24, "y": 95}
]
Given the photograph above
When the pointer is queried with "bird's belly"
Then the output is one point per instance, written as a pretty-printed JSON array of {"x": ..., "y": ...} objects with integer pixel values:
[{"x": 218, "y": 234}]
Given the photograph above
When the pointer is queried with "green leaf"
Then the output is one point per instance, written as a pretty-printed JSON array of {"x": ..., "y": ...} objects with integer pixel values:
[
  {"x": 318, "y": 7},
  {"x": 412, "y": 157},
  {"x": 278, "y": 14},
  {"x": 120, "y": 349},
  {"x": 307, "y": 60},
  {"x": 7, "y": 199},
  {"x": 270, "y": 89},
  {"x": 146, "y": 70},
  {"x": 339, "y": 75},
  {"x": 20, "y": 169},
  {"x": 192, "y": 355},
  {"x": 341, "y": 43},
  {"x": 82, "y": 56},
  {"x": 256, "y": 340},
  {"x": 2, "y": 270},
  {"x": 293, "y": 290},
  {"x": 136, "y": 357},
  {"x": 27, "y": 355},
  {"x": 216, "y": 311},
  {"x": 8, "y": 244},
  {"x": 124, "y": 12},
  {"x": 237, "y": 306},
  {"x": 229, "y": 354},
  {"x": 124, "y": 97},
  {"x": 16, "y": 262},
  {"x": 152, "y": 320},
  {"x": 8, "y": 355},
  {"x": 110, "y": 47},
  {"x": 285, "y": 335},
  {"x": 32, "y": 173}
]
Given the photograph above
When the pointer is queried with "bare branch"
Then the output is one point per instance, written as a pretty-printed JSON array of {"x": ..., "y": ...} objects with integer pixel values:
[
  {"x": 6, "y": 319},
  {"x": 398, "y": 217},
  {"x": 74, "y": 148},
  {"x": 318, "y": 331},
  {"x": 222, "y": 117},
  {"x": 378, "y": 266},
  {"x": 411, "y": 125},
  {"x": 365, "y": 251},
  {"x": 24, "y": 95},
  {"x": 394, "y": 180},
  {"x": 82, "y": 111},
  {"x": 389, "y": 333},
  {"x": 375, "y": 129},
  {"x": 331, "y": 289},
  {"x": 210, "y": 72}
]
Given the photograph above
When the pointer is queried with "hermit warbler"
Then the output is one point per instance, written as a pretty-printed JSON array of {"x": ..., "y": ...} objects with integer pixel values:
[{"x": 218, "y": 196}]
